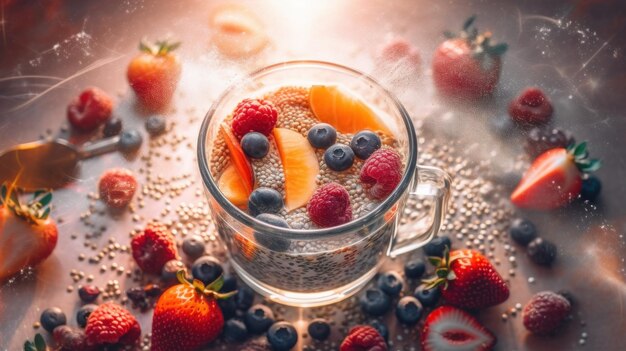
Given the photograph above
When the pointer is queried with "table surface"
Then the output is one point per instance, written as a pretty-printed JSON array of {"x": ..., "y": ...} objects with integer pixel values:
[{"x": 574, "y": 50}]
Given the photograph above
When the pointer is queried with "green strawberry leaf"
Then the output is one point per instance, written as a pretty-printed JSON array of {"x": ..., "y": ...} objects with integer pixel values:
[
  {"x": 217, "y": 284},
  {"x": 498, "y": 49},
  {"x": 591, "y": 166},
  {"x": 29, "y": 346},
  {"x": 435, "y": 261},
  {"x": 441, "y": 273},
  {"x": 4, "y": 190},
  {"x": 580, "y": 149},
  {"x": 40, "y": 344},
  {"x": 468, "y": 23}
]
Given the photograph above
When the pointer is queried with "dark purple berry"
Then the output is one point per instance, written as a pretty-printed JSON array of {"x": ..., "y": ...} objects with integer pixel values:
[
  {"x": 542, "y": 139},
  {"x": 542, "y": 251},
  {"x": 88, "y": 293},
  {"x": 112, "y": 127}
]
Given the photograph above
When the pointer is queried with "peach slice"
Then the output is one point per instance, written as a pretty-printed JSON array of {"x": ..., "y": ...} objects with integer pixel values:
[
  {"x": 239, "y": 33},
  {"x": 238, "y": 158},
  {"x": 232, "y": 186},
  {"x": 344, "y": 111},
  {"x": 300, "y": 165}
]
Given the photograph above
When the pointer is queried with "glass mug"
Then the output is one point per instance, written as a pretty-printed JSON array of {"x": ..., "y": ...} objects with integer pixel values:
[{"x": 323, "y": 266}]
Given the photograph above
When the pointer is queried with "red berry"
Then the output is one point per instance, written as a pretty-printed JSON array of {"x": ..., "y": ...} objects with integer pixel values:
[
  {"x": 152, "y": 248},
  {"x": 381, "y": 173},
  {"x": 254, "y": 115},
  {"x": 531, "y": 107},
  {"x": 89, "y": 109},
  {"x": 110, "y": 323},
  {"x": 363, "y": 338},
  {"x": 330, "y": 206},
  {"x": 70, "y": 338},
  {"x": 117, "y": 187},
  {"x": 545, "y": 312}
]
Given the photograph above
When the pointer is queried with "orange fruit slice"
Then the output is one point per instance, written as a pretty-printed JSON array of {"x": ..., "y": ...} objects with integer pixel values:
[
  {"x": 232, "y": 186},
  {"x": 344, "y": 111},
  {"x": 300, "y": 165},
  {"x": 242, "y": 166},
  {"x": 238, "y": 32}
]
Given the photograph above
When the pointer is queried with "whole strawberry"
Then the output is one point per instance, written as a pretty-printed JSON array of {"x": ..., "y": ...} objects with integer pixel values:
[
  {"x": 153, "y": 247},
  {"x": 545, "y": 312},
  {"x": 363, "y": 338},
  {"x": 468, "y": 280},
  {"x": 117, "y": 187},
  {"x": 187, "y": 315},
  {"x": 154, "y": 74},
  {"x": 27, "y": 234},
  {"x": 111, "y": 324}
]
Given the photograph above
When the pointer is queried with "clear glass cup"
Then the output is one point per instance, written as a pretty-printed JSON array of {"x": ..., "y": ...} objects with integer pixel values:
[{"x": 323, "y": 266}]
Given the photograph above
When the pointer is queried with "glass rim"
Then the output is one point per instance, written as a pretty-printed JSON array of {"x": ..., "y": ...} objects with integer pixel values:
[{"x": 306, "y": 234}]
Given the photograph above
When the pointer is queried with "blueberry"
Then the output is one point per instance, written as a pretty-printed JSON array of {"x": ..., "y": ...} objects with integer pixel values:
[
  {"x": 265, "y": 200},
  {"x": 428, "y": 297},
  {"x": 375, "y": 302},
  {"x": 255, "y": 145},
  {"x": 112, "y": 127},
  {"x": 409, "y": 310},
  {"x": 130, "y": 140},
  {"x": 322, "y": 135},
  {"x": 244, "y": 298},
  {"x": 319, "y": 329},
  {"x": 235, "y": 330},
  {"x": 282, "y": 336},
  {"x": 155, "y": 125},
  {"x": 270, "y": 240},
  {"x": 171, "y": 267},
  {"x": 88, "y": 293},
  {"x": 153, "y": 290},
  {"x": 522, "y": 231},
  {"x": 436, "y": 246},
  {"x": 193, "y": 246},
  {"x": 415, "y": 268},
  {"x": 83, "y": 313},
  {"x": 258, "y": 318},
  {"x": 381, "y": 328},
  {"x": 591, "y": 188},
  {"x": 228, "y": 307},
  {"x": 339, "y": 157},
  {"x": 542, "y": 251},
  {"x": 364, "y": 143},
  {"x": 51, "y": 318},
  {"x": 206, "y": 269},
  {"x": 390, "y": 282},
  {"x": 230, "y": 284}
]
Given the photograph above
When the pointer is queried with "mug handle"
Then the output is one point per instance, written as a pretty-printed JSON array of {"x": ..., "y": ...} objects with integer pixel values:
[{"x": 429, "y": 182}]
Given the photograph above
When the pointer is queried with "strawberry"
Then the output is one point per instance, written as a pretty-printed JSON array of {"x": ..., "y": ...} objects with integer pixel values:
[
  {"x": 154, "y": 74},
  {"x": 467, "y": 280},
  {"x": 111, "y": 323},
  {"x": 363, "y": 338},
  {"x": 467, "y": 65},
  {"x": 448, "y": 328},
  {"x": 27, "y": 234},
  {"x": 153, "y": 247},
  {"x": 555, "y": 178},
  {"x": 187, "y": 315},
  {"x": 117, "y": 187}
]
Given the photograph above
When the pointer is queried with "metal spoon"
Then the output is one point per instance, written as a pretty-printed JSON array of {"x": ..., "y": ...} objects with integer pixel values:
[{"x": 52, "y": 164}]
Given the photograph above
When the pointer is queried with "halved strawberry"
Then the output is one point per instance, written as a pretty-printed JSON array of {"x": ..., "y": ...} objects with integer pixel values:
[
  {"x": 448, "y": 328},
  {"x": 554, "y": 179},
  {"x": 243, "y": 167}
]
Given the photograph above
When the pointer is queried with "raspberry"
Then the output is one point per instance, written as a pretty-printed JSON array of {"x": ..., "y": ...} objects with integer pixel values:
[
  {"x": 117, "y": 187},
  {"x": 545, "y": 312},
  {"x": 531, "y": 107},
  {"x": 152, "y": 248},
  {"x": 330, "y": 206},
  {"x": 89, "y": 109},
  {"x": 254, "y": 115},
  {"x": 110, "y": 323},
  {"x": 70, "y": 338},
  {"x": 381, "y": 173},
  {"x": 363, "y": 338}
]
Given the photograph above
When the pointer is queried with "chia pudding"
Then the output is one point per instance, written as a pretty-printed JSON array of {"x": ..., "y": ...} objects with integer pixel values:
[{"x": 305, "y": 158}]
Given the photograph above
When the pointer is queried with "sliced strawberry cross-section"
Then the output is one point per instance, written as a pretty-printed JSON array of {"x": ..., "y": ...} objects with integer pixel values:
[{"x": 449, "y": 328}]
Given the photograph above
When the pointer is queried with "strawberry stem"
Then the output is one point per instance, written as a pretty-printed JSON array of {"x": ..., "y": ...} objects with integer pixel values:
[
  {"x": 37, "y": 209},
  {"x": 211, "y": 290},
  {"x": 580, "y": 155},
  {"x": 159, "y": 48}
]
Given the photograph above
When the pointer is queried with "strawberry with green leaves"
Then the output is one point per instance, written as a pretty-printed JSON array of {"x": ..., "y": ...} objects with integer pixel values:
[
  {"x": 555, "y": 178},
  {"x": 187, "y": 315},
  {"x": 467, "y": 280}
]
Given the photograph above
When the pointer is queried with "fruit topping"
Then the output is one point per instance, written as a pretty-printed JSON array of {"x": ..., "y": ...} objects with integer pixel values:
[
  {"x": 322, "y": 135},
  {"x": 409, "y": 310},
  {"x": 238, "y": 159},
  {"x": 69, "y": 338},
  {"x": 437, "y": 246},
  {"x": 89, "y": 110},
  {"x": 531, "y": 107},
  {"x": 282, "y": 336},
  {"x": 235, "y": 330},
  {"x": 363, "y": 338},
  {"x": 254, "y": 115},
  {"x": 300, "y": 166},
  {"x": 232, "y": 186},
  {"x": 153, "y": 247},
  {"x": 390, "y": 282},
  {"x": 110, "y": 323},
  {"x": 591, "y": 188},
  {"x": 364, "y": 143},
  {"x": 375, "y": 302},
  {"x": 155, "y": 125},
  {"x": 259, "y": 318},
  {"x": 542, "y": 251},
  {"x": 255, "y": 145},
  {"x": 112, "y": 127},
  {"x": 554, "y": 179},
  {"x": 448, "y": 328},
  {"x": 522, "y": 231},
  {"x": 381, "y": 173},
  {"x": 542, "y": 139},
  {"x": 330, "y": 206},
  {"x": 83, "y": 313},
  {"x": 88, "y": 293},
  {"x": 319, "y": 329},
  {"x": 339, "y": 157},
  {"x": 117, "y": 187},
  {"x": 51, "y": 318},
  {"x": 265, "y": 200},
  {"x": 414, "y": 268},
  {"x": 428, "y": 297},
  {"x": 206, "y": 269},
  {"x": 193, "y": 246},
  {"x": 238, "y": 32},
  {"x": 545, "y": 312},
  {"x": 347, "y": 113}
]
